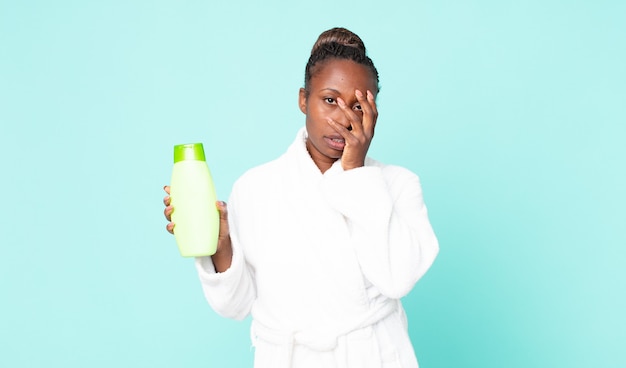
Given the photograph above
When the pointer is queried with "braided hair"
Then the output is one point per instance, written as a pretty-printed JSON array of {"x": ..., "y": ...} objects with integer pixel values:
[{"x": 337, "y": 43}]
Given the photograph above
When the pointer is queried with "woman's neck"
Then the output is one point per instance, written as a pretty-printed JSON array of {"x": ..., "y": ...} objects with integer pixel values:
[{"x": 322, "y": 162}]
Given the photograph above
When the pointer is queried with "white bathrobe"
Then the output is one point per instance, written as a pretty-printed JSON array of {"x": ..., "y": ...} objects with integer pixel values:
[{"x": 322, "y": 260}]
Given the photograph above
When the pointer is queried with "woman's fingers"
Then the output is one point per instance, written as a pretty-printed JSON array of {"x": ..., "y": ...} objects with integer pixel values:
[
  {"x": 370, "y": 113},
  {"x": 223, "y": 239},
  {"x": 223, "y": 209},
  {"x": 362, "y": 123},
  {"x": 167, "y": 199},
  {"x": 168, "y": 210},
  {"x": 221, "y": 206},
  {"x": 357, "y": 129},
  {"x": 170, "y": 227},
  {"x": 364, "y": 107},
  {"x": 353, "y": 119},
  {"x": 372, "y": 100}
]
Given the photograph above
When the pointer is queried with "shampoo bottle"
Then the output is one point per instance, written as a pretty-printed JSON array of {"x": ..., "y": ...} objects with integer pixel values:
[{"x": 195, "y": 217}]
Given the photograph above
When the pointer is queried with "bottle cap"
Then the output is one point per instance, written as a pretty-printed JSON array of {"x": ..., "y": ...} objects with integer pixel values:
[{"x": 190, "y": 151}]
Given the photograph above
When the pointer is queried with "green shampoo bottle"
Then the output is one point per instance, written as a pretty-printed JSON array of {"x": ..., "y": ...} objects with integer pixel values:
[{"x": 195, "y": 217}]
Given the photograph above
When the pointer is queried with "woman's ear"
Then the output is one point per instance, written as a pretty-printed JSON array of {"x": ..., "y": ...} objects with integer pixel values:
[{"x": 302, "y": 100}]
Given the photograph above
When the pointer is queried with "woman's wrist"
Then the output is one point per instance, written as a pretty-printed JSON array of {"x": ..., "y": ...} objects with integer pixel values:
[{"x": 222, "y": 259}]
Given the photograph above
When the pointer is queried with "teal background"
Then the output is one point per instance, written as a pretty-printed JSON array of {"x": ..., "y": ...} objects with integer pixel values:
[{"x": 513, "y": 114}]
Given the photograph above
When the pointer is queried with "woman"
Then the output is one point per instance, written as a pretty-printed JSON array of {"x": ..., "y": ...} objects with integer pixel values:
[{"x": 320, "y": 244}]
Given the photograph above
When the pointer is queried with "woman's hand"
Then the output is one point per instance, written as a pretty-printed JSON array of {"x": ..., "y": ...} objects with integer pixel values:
[
  {"x": 357, "y": 139},
  {"x": 224, "y": 254},
  {"x": 168, "y": 210}
]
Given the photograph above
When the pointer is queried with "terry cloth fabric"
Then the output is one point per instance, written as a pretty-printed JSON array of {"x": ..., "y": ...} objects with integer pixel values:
[{"x": 322, "y": 260}]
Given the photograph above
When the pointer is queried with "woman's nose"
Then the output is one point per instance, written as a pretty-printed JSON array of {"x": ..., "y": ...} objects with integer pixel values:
[{"x": 342, "y": 119}]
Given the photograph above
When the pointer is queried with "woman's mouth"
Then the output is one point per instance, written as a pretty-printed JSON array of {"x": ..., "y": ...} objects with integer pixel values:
[{"x": 335, "y": 142}]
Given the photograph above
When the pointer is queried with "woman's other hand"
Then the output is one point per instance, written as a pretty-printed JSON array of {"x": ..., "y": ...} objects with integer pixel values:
[
  {"x": 168, "y": 210},
  {"x": 223, "y": 256},
  {"x": 362, "y": 123}
]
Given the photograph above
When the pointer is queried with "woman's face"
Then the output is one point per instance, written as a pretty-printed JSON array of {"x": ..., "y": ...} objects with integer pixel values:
[{"x": 335, "y": 78}]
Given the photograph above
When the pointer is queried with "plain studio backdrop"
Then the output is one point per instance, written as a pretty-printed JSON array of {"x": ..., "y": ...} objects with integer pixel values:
[{"x": 512, "y": 113}]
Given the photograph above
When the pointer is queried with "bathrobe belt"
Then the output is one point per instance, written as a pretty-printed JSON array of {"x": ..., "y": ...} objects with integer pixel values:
[{"x": 322, "y": 339}]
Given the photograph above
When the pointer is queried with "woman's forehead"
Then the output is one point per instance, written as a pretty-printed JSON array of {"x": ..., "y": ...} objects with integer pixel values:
[{"x": 341, "y": 74}]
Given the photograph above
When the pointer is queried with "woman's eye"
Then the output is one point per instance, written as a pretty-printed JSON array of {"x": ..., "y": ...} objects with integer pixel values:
[
  {"x": 357, "y": 108},
  {"x": 329, "y": 100}
]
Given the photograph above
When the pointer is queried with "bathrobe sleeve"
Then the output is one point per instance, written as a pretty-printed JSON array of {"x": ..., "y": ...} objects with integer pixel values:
[
  {"x": 230, "y": 293},
  {"x": 388, "y": 224}
]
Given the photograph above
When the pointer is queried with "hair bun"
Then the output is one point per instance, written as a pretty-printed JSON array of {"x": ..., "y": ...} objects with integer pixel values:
[{"x": 341, "y": 36}]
